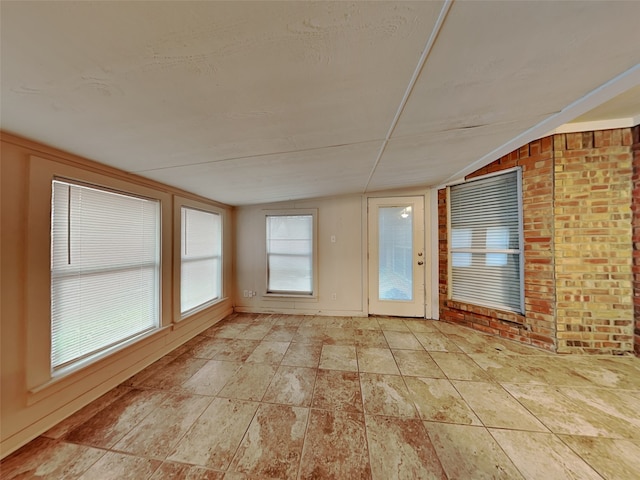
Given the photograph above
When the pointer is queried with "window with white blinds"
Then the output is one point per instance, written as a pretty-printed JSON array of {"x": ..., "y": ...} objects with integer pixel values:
[
  {"x": 290, "y": 254},
  {"x": 485, "y": 243},
  {"x": 200, "y": 260},
  {"x": 105, "y": 270}
]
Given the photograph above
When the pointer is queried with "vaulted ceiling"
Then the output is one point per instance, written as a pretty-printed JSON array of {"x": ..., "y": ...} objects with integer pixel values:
[{"x": 254, "y": 102}]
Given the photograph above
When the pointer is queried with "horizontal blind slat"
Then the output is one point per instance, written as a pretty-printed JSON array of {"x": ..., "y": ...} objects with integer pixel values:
[
  {"x": 104, "y": 270},
  {"x": 290, "y": 253},
  {"x": 200, "y": 260},
  {"x": 485, "y": 217}
]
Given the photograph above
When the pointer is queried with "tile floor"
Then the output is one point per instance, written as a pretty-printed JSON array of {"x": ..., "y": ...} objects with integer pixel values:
[{"x": 274, "y": 396}]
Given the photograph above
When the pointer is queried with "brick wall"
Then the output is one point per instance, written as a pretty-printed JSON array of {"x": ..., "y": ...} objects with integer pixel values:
[
  {"x": 636, "y": 236},
  {"x": 593, "y": 255},
  {"x": 537, "y": 325},
  {"x": 578, "y": 277}
]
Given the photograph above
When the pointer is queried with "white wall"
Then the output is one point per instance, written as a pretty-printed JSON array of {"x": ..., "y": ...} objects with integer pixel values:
[
  {"x": 341, "y": 263},
  {"x": 27, "y": 412},
  {"x": 32, "y": 400},
  {"x": 342, "y": 266}
]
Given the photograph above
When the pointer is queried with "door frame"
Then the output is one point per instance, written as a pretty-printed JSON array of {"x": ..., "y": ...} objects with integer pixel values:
[{"x": 428, "y": 256}]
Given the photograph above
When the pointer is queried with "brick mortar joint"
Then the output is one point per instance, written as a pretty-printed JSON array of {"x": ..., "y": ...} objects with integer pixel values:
[
  {"x": 544, "y": 194},
  {"x": 549, "y": 183}
]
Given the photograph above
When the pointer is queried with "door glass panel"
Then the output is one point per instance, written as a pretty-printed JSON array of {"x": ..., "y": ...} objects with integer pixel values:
[{"x": 395, "y": 247}]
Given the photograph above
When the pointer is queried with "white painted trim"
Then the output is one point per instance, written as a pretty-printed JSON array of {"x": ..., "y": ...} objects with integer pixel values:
[
  {"x": 593, "y": 99},
  {"x": 435, "y": 255},
  {"x": 608, "y": 124},
  {"x": 401, "y": 192},
  {"x": 312, "y": 297},
  {"x": 404, "y": 308},
  {"x": 62, "y": 373},
  {"x": 428, "y": 247},
  {"x": 364, "y": 253},
  {"x": 520, "y": 251},
  {"x": 299, "y": 311},
  {"x": 482, "y": 177},
  {"x": 178, "y": 203}
]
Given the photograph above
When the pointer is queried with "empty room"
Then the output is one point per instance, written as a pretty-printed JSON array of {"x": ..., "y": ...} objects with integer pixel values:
[{"x": 320, "y": 240}]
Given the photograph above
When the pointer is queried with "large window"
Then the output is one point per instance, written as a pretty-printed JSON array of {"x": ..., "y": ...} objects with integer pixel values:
[
  {"x": 200, "y": 259},
  {"x": 105, "y": 270},
  {"x": 485, "y": 246},
  {"x": 290, "y": 254}
]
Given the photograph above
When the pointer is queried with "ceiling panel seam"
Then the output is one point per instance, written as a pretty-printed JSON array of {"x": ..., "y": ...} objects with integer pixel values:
[
  {"x": 257, "y": 155},
  {"x": 414, "y": 78}
]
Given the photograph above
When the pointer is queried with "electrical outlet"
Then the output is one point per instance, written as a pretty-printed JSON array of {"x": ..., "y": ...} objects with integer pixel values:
[
  {"x": 334, "y": 296},
  {"x": 246, "y": 293}
]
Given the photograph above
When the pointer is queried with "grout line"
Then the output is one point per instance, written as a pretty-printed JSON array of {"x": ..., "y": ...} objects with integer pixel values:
[
  {"x": 235, "y": 452},
  {"x": 167, "y": 392},
  {"x": 578, "y": 454},
  {"x": 495, "y": 440},
  {"x": 306, "y": 428}
]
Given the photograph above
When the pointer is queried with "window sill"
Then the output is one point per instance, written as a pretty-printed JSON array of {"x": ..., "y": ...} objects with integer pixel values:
[
  {"x": 202, "y": 314},
  {"x": 291, "y": 296},
  {"x": 491, "y": 312},
  {"x": 200, "y": 308},
  {"x": 86, "y": 366}
]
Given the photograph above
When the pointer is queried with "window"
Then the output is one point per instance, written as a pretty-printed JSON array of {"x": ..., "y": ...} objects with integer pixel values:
[
  {"x": 105, "y": 270},
  {"x": 290, "y": 254},
  {"x": 200, "y": 258},
  {"x": 486, "y": 242},
  {"x": 395, "y": 253},
  {"x": 497, "y": 239},
  {"x": 460, "y": 241}
]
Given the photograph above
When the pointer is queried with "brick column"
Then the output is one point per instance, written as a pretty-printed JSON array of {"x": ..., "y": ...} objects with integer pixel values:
[
  {"x": 593, "y": 261},
  {"x": 581, "y": 212}
]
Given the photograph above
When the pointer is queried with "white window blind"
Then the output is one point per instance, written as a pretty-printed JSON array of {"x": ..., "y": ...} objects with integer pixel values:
[
  {"x": 105, "y": 270},
  {"x": 290, "y": 254},
  {"x": 486, "y": 242},
  {"x": 200, "y": 262}
]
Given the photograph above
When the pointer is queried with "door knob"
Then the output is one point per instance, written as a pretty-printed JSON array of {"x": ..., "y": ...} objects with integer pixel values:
[{"x": 420, "y": 262}]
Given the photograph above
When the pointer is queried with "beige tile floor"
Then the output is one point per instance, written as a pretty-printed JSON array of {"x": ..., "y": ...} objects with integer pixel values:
[{"x": 274, "y": 396}]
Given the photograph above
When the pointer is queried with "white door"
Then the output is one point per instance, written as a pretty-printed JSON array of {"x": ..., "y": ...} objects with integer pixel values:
[{"x": 396, "y": 256}]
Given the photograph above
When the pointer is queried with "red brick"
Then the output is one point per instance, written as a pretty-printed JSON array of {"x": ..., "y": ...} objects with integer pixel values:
[{"x": 577, "y": 207}]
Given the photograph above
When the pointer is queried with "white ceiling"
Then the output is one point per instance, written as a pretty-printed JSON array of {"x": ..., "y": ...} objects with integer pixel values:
[{"x": 248, "y": 103}]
